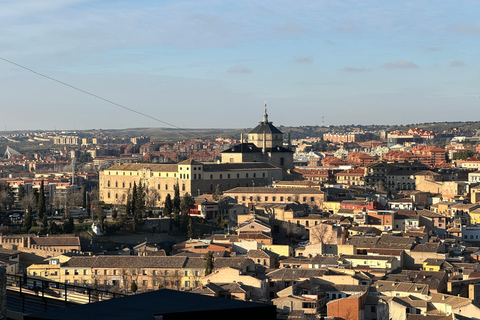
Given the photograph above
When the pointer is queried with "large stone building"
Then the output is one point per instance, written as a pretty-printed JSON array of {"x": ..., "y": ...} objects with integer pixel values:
[
  {"x": 264, "y": 144},
  {"x": 189, "y": 175}
]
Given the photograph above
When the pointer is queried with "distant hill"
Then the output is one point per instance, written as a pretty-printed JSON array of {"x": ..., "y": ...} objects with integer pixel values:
[{"x": 467, "y": 128}]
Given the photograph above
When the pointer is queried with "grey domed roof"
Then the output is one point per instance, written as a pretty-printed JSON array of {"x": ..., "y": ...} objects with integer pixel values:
[{"x": 266, "y": 127}]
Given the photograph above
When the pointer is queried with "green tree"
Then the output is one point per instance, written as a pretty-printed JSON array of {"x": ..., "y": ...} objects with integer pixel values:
[
  {"x": 168, "y": 207},
  {"x": 463, "y": 155},
  {"x": 133, "y": 287},
  {"x": 88, "y": 206},
  {"x": 42, "y": 207},
  {"x": 101, "y": 218},
  {"x": 21, "y": 193},
  {"x": 35, "y": 195},
  {"x": 190, "y": 229},
  {"x": 128, "y": 205},
  {"x": 27, "y": 222},
  {"x": 53, "y": 228},
  {"x": 68, "y": 225},
  {"x": 139, "y": 201},
  {"x": 217, "y": 193},
  {"x": 133, "y": 199},
  {"x": 187, "y": 203},
  {"x": 84, "y": 196},
  {"x": 220, "y": 221},
  {"x": 176, "y": 199},
  {"x": 209, "y": 263},
  {"x": 114, "y": 214}
]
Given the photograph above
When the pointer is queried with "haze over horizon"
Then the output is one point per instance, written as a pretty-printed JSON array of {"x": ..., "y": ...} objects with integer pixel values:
[{"x": 212, "y": 64}]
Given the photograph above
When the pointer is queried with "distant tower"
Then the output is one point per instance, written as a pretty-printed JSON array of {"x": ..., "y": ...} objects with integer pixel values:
[{"x": 323, "y": 119}]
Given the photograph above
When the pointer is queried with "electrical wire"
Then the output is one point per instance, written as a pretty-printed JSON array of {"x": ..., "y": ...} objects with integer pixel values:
[{"x": 91, "y": 94}]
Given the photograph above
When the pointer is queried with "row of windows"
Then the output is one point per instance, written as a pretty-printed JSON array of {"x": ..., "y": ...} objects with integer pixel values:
[
  {"x": 274, "y": 198},
  {"x": 238, "y": 175},
  {"x": 137, "y": 174},
  {"x": 144, "y": 272},
  {"x": 144, "y": 283},
  {"x": 187, "y": 176}
]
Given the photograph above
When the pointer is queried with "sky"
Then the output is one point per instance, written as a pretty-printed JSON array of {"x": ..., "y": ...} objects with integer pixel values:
[{"x": 80, "y": 64}]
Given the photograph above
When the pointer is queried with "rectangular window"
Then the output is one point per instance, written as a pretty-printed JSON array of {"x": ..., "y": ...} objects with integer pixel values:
[
  {"x": 67, "y": 272},
  {"x": 75, "y": 272},
  {"x": 145, "y": 283}
]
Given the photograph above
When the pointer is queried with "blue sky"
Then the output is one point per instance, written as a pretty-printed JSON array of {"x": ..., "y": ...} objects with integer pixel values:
[{"x": 206, "y": 64}]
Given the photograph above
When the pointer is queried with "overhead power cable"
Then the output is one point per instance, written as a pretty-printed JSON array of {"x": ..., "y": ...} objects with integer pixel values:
[{"x": 91, "y": 94}]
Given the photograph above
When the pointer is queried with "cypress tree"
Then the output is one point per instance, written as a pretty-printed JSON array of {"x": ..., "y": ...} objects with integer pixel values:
[
  {"x": 209, "y": 263},
  {"x": 84, "y": 196},
  {"x": 21, "y": 192},
  {"x": 176, "y": 199},
  {"x": 133, "y": 200},
  {"x": 168, "y": 207},
  {"x": 42, "y": 208},
  {"x": 27, "y": 222}
]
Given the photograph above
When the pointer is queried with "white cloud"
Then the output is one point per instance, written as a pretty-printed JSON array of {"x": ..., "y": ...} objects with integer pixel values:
[
  {"x": 457, "y": 64},
  {"x": 354, "y": 69},
  {"x": 400, "y": 64},
  {"x": 469, "y": 29},
  {"x": 291, "y": 28},
  {"x": 239, "y": 69},
  {"x": 308, "y": 59}
]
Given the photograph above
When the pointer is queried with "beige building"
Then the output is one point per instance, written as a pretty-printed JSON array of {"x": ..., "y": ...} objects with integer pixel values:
[
  {"x": 148, "y": 272},
  {"x": 190, "y": 176},
  {"x": 428, "y": 181},
  {"x": 312, "y": 197},
  {"x": 264, "y": 144},
  {"x": 43, "y": 246}
]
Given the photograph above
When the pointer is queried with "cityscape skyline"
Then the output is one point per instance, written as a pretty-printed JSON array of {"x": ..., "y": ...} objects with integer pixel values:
[{"x": 354, "y": 63}]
